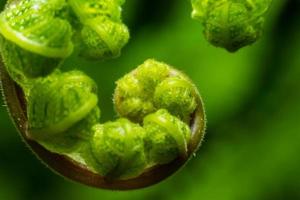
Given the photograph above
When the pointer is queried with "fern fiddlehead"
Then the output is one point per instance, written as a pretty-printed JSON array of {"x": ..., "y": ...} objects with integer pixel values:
[
  {"x": 161, "y": 113},
  {"x": 62, "y": 102},
  {"x": 231, "y": 24}
]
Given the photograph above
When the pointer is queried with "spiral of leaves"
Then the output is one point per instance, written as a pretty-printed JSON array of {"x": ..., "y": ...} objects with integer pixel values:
[
  {"x": 155, "y": 102},
  {"x": 64, "y": 118}
]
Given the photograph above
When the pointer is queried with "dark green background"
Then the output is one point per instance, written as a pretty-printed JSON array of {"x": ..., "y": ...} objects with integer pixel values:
[{"x": 252, "y": 99}]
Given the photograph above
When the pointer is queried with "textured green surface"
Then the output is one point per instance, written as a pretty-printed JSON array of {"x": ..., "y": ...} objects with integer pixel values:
[
  {"x": 36, "y": 26},
  {"x": 231, "y": 24},
  {"x": 166, "y": 137},
  {"x": 178, "y": 96},
  {"x": 103, "y": 34},
  {"x": 62, "y": 106},
  {"x": 118, "y": 149},
  {"x": 22, "y": 64},
  {"x": 62, "y": 109},
  {"x": 251, "y": 150},
  {"x": 37, "y": 36},
  {"x": 151, "y": 86}
]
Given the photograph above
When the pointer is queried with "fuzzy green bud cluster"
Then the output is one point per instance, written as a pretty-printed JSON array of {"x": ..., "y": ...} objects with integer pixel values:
[
  {"x": 103, "y": 34},
  {"x": 37, "y": 36},
  {"x": 155, "y": 102},
  {"x": 133, "y": 97},
  {"x": 152, "y": 86},
  {"x": 64, "y": 117},
  {"x": 118, "y": 149},
  {"x": 231, "y": 24},
  {"x": 122, "y": 149}
]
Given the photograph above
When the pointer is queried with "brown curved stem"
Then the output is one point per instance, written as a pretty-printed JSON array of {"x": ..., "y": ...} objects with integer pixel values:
[{"x": 16, "y": 104}]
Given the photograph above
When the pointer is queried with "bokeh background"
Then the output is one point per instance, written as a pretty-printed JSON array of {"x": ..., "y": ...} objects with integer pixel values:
[{"x": 252, "y": 100}]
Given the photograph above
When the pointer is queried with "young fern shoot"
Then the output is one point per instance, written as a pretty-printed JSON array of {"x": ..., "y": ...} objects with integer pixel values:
[
  {"x": 63, "y": 117},
  {"x": 161, "y": 116},
  {"x": 231, "y": 24}
]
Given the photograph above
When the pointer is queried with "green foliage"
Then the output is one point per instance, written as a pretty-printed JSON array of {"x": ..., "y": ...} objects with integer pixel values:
[
  {"x": 33, "y": 39},
  {"x": 251, "y": 149},
  {"x": 37, "y": 36},
  {"x": 62, "y": 108},
  {"x": 22, "y": 64},
  {"x": 166, "y": 137},
  {"x": 34, "y": 26},
  {"x": 231, "y": 24},
  {"x": 133, "y": 97},
  {"x": 178, "y": 96},
  {"x": 154, "y": 85},
  {"x": 102, "y": 33},
  {"x": 118, "y": 149}
]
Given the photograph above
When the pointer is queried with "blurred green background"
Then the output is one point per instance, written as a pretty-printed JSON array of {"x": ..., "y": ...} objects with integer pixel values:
[{"x": 252, "y": 99}]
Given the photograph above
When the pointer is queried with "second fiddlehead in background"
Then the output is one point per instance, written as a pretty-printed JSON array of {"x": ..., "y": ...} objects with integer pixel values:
[{"x": 231, "y": 24}]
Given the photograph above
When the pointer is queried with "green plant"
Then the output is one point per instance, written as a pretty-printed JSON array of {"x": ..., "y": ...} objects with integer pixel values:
[
  {"x": 162, "y": 119},
  {"x": 231, "y": 24}
]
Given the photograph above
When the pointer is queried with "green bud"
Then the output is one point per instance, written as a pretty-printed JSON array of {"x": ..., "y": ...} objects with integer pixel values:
[
  {"x": 133, "y": 97},
  {"x": 131, "y": 100},
  {"x": 231, "y": 24},
  {"x": 89, "y": 9},
  {"x": 178, "y": 96},
  {"x": 62, "y": 105},
  {"x": 34, "y": 40},
  {"x": 103, "y": 38},
  {"x": 118, "y": 149},
  {"x": 102, "y": 33},
  {"x": 151, "y": 73},
  {"x": 167, "y": 137},
  {"x": 154, "y": 85}
]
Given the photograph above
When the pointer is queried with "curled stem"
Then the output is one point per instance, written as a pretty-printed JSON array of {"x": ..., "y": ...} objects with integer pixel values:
[
  {"x": 162, "y": 118},
  {"x": 76, "y": 170}
]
